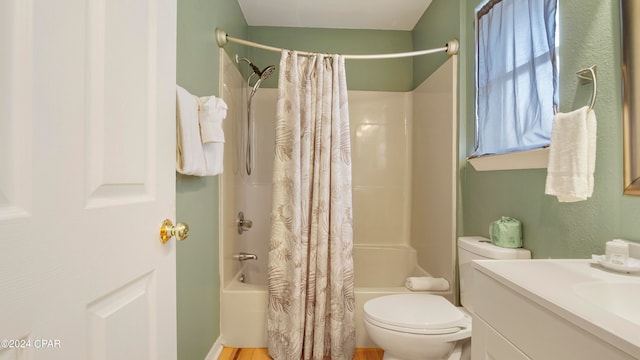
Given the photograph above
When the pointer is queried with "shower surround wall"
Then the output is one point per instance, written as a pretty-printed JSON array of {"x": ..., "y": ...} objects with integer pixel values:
[
  {"x": 381, "y": 125},
  {"x": 250, "y": 194},
  {"x": 434, "y": 171},
  {"x": 382, "y": 141}
]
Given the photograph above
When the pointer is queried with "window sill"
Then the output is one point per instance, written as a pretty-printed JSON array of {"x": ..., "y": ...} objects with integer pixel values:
[{"x": 530, "y": 159}]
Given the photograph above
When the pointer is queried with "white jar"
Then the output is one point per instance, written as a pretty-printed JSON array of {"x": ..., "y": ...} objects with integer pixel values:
[{"x": 617, "y": 252}]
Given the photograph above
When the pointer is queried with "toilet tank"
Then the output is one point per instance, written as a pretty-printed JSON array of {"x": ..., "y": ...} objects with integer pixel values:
[{"x": 476, "y": 248}]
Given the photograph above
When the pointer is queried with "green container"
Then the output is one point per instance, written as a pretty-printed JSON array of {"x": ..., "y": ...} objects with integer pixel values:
[{"x": 506, "y": 232}]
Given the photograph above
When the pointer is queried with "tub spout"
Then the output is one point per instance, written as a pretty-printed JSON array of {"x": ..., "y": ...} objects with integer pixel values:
[{"x": 244, "y": 256}]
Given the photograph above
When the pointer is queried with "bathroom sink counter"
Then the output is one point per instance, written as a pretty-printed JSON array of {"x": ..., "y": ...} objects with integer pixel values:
[{"x": 558, "y": 286}]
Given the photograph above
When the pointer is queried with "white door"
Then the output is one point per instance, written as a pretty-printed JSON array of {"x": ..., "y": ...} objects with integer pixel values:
[{"x": 87, "y": 144}]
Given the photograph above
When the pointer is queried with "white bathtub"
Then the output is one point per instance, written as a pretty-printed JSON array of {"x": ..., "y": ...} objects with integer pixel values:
[{"x": 379, "y": 270}]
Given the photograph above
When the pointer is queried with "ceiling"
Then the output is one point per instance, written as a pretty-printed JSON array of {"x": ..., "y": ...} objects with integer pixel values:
[{"x": 335, "y": 14}]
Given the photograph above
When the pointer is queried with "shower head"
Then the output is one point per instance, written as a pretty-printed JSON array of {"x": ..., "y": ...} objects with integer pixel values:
[
  {"x": 268, "y": 71},
  {"x": 264, "y": 74}
]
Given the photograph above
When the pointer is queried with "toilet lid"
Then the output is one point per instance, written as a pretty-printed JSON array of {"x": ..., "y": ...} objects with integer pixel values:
[{"x": 419, "y": 313}]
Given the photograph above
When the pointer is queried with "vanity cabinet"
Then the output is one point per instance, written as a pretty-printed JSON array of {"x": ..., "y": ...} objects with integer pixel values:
[
  {"x": 511, "y": 324},
  {"x": 487, "y": 343}
]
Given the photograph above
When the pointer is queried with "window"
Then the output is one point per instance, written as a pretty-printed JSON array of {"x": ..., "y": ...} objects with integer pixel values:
[{"x": 516, "y": 76}]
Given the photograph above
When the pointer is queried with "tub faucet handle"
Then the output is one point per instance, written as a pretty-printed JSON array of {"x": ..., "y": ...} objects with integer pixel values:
[{"x": 243, "y": 224}]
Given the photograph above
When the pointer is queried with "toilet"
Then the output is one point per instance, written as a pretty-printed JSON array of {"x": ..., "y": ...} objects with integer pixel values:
[{"x": 421, "y": 326}]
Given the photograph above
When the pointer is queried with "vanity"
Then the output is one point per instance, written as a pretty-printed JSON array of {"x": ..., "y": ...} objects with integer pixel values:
[{"x": 554, "y": 309}]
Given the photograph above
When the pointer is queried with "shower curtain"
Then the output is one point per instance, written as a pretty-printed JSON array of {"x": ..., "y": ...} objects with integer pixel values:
[{"x": 311, "y": 290}]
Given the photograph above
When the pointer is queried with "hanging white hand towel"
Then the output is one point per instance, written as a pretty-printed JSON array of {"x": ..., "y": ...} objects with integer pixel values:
[
  {"x": 212, "y": 111},
  {"x": 572, "y": 155},
  {"x": 189, "y": 152}
]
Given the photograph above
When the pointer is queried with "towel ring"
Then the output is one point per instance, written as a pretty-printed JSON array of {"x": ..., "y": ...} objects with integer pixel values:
[{"x": 589, "y": 75}]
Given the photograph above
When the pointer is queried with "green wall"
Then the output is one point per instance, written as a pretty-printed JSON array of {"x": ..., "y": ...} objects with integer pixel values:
[
  {"x": 198, "y": 283},
  {"x": 439, "y": 24},
  {"x": 590, "y": 34},
  {"x": 381, "y": 75}
]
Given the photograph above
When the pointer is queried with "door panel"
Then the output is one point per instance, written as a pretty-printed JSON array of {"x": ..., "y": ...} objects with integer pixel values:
[
  {"x": 120, "y": 88},
  {"x": 87, "y": 152},
  {"x": 15, "y": 110},
  {"x": 110, "y": 320}
]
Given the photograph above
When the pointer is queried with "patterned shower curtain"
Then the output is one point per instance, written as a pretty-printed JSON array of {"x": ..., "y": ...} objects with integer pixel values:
[{"x": 311, "y": 290}]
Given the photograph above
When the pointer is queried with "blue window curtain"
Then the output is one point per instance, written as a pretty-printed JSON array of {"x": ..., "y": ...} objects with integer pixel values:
[{"x": 516, "y": 75}]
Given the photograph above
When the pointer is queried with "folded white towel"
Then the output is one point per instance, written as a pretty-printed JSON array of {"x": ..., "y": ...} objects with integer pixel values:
[
  {"x": 189, "y": 152},
  {"x": 422, "y": 283},
  {"x": 212, "y": 111},
  {"x": 572, "y": 155}
]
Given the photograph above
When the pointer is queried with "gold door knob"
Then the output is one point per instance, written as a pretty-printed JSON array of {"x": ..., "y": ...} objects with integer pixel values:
[{"x": 167, "y": 230}]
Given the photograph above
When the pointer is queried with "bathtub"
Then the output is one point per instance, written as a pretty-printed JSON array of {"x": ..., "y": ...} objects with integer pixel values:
[{"x": 378, "y": 271}]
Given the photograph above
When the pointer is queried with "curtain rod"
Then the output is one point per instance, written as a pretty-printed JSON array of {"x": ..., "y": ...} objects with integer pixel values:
[{"x": 451, "y": 48}]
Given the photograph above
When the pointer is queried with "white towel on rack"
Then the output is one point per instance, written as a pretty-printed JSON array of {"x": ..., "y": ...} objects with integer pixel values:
[
  {"x": 212, "y": 111},
  {"x": 189, "y": 152},
  {"x": 572, "y": 155}
]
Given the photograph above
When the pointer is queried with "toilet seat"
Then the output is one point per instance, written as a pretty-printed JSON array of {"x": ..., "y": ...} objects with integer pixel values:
[{"x": 422, "y": 314}]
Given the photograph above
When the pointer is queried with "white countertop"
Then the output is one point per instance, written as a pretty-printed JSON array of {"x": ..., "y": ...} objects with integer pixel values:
[{"x": 551, "y": 284}]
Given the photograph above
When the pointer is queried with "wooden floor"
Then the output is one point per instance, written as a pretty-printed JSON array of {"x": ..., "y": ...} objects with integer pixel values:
[{"x": 262, "y": 354}]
